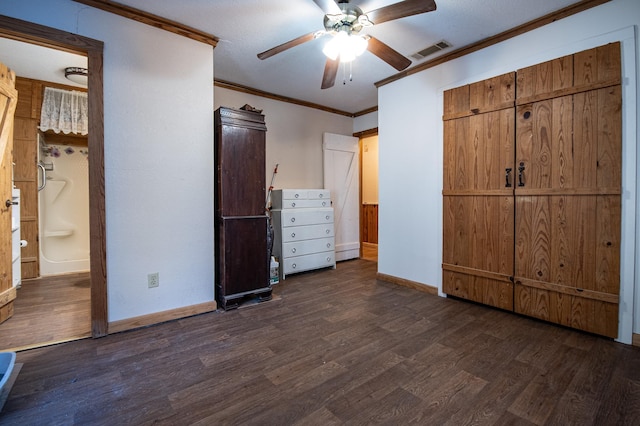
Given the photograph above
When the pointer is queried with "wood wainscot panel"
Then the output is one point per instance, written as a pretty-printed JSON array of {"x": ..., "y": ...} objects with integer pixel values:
[{"x": 370, "y": 223}]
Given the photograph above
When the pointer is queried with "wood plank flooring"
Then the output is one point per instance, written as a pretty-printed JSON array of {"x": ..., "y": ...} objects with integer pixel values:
[
  {"x": 49, "y": 310},
  {"x": 334, "y": 347}
]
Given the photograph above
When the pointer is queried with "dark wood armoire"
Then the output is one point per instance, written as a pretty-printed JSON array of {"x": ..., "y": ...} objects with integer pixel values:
[{"x": 241, "y": 223}]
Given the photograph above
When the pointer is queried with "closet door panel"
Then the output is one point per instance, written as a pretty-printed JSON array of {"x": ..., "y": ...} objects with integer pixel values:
[
  {"x": 532, "y": 190},
  {"x": 598, "y": 65},
  {"x": 493, "y": 292},
  {"x": 456, "y": 102},
  {"x": 567, "y": 225},
  {"x": 478, "y": 205},
  {"x": 533, "y": 241},
  {"x": 607, "y": 274},
  {"x": 567, "y": 263},
  {"x": 545, "y": 150},
  {"x": 538, "y": 81},
  {"x": 597, "y": 132},
  {"x": 543, "y": 304},
  {"x": 481, "y": 234},
  {"x": 492, "y": 94},
  {"x": 449, "y": 154}
]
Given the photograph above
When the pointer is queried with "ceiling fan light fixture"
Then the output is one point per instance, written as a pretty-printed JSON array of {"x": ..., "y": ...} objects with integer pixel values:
[{"x": 345, "y": 46}]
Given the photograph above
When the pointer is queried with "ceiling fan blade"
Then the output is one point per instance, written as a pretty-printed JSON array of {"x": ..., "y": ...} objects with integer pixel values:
[
  {"x": 329, "y": 7},
  {"x": 330, "y": 72},
  {"x": 401, "y": 10},
  {"x": 387, "y": 54},
  {"x": 288, "y": 45}
]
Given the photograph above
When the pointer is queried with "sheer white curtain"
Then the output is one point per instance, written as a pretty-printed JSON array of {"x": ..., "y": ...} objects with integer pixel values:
[{"x": 64, "y": 111}]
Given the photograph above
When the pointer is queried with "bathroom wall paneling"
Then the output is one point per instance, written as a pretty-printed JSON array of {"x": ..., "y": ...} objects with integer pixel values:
[
  {"x": 369, "y": 230},
  {"x": 532, "y": 191},
  {"x": 25, "y": 171}
]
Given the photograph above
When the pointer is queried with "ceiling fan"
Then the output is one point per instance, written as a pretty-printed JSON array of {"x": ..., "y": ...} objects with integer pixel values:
[{"x": 344, "y": 21}]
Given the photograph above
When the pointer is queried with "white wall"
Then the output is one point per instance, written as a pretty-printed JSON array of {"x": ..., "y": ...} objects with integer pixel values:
[
  {"x": 158, "y": 115},
  {"x": 410, "y": 137},
  {"x": 294, "y": 137},
  {"x": 365, "y": 122}
]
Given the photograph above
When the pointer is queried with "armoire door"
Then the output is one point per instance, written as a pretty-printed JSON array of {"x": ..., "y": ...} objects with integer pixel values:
[
  {"x": 478, "y": 191},
  {"x": 568, "y": 190}
]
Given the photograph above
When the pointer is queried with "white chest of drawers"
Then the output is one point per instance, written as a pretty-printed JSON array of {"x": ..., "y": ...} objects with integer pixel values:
[{"x": 303, "y": 230}]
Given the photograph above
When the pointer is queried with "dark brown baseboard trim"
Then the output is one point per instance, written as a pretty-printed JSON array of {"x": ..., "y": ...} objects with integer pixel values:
[
  {"x": 407, "y": 283},
  {"x": 158, "y": 317}
]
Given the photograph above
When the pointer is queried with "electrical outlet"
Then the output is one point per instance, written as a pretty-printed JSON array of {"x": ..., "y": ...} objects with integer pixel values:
[{"x": 153, "y": 280}]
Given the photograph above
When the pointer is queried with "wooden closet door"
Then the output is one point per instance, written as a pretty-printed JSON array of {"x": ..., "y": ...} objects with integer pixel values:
[
  {"x": 568, "y": 190},
  {"x": 8, "y": 101},
  {"x": 477, "y": 194}
]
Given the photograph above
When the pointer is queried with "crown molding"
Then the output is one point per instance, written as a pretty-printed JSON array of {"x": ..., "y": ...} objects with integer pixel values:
[
  {"x": 498, "y": 38},
  {"x": 152, "y": 20}
]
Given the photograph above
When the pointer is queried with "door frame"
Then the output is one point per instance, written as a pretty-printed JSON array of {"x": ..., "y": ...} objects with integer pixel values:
[{"x": 29, "y": 32}]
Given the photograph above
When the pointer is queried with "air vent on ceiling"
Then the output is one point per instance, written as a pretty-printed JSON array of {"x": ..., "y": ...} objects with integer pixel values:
[{"x": 431, "y": 50}]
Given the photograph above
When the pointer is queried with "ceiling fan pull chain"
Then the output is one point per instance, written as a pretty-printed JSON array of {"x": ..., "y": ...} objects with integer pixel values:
[
  {"x": 351, "y": 71},
  {"x": 344, "y": 74}
]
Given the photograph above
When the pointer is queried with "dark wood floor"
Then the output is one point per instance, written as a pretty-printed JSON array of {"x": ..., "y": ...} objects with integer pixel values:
[
  {"x": 334, "y": 347},
  {"x": 49, "y": 310}
]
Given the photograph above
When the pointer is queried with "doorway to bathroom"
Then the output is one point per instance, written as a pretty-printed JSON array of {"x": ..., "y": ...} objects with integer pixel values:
[
  {"x": 93, "y": 282},
  {"x": 63, "y": 181},
  {"x": 50, "y": 171}
]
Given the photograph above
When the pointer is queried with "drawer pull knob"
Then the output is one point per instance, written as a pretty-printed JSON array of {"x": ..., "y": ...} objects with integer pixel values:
[
  {"x": 293, "y": 235},
  {"x": 328, "y": 259},
  {"x": 293, "y": 266},
  {"x": 327, "y": 217},
  {"x": 293, "y": 204},
  {"x": 328, "y": 245},
  {"x": 320, "y": 195},
  {"x": 296, "y": 196},
  {"x": 293, "y": 219},
  {"x": 293, "y": 250},
  {"x": 324, "y": 203},
  {"x": 328, "y": 231}
]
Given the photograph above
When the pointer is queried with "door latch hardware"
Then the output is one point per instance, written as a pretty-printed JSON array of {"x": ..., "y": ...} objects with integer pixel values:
[{"x": 508, "y": 177}]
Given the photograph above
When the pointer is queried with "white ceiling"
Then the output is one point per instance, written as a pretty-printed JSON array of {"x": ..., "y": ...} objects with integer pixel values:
[
  {"x": 39, "y": 63},
  {"x": 248, "y": 27}
]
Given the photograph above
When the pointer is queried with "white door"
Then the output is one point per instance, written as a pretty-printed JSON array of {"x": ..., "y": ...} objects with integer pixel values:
[{"x": 342, "y": 177}]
